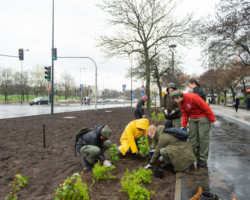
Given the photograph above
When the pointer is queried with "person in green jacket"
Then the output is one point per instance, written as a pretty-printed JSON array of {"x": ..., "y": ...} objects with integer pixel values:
[
  {"x": 178, "y": 153},
  {"x": 171, "y": 109}
]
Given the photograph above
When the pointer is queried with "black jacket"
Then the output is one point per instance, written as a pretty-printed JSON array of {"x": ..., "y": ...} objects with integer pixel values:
[
  {"x": 199, "y": 91},
  {"x": 139, "y": 110},
  {"x": 92, "y": 138}
]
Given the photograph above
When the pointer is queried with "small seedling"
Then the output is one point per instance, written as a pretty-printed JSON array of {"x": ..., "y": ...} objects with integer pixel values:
[
  {"x": 143, "y": 145},
  {"x": 113, "y": 153},
  {"x": 102, "y": 172},
  {"x": 154, "y": 118},
  {"x": 159, "y": 116},
  {"x": 131, "y": 184},
  {"x": 19, "y": 182},
  {"x": 72, "y": 188}
]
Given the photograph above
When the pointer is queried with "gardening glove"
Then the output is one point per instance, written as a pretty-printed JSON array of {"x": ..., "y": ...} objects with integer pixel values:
[
  {"x": 166, "y": 112},
  {"x": 107, "y": 163},
  {"x": 148, "y": 166},
  {"x": 216, "y": 124},
  {"x": 143, "y": 116},
  {"x": 184, "y": 128},
  {"x": 173, "y": 112},
  {"x": 160, "y": 158}
]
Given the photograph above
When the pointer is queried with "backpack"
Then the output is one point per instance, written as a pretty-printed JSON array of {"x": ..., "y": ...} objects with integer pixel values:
[
  {"x": 81, "y": 133},
  {"x": 177, "y": 132}
]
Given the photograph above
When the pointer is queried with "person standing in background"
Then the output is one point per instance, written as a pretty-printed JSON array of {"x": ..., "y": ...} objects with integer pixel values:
[
  {"x": 194, "y": 85},
  {"x": 139, "y": 110},
  {"x": 236, "y": 103},
  {"x": 247, "y": 102},
  {"x": 171, "y": 109}
]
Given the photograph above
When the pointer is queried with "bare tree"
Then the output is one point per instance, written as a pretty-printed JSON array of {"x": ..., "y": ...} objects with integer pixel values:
[
  {"x": 67, "y": 81},
  {"x": 6, "y": 81},
  {"x": 144, "y": 27},
  {"x": 38, "y": 81},
  {"x": 228, "y": 32}
]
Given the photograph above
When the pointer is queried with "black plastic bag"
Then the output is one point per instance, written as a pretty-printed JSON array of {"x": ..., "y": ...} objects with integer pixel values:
[{"x": 177, "y": 132}]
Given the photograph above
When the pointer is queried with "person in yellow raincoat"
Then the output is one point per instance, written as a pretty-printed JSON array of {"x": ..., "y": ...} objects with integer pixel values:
[{"x": 132, "y": 134}]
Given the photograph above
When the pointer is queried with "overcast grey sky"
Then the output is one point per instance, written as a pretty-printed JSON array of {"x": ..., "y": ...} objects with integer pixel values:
[{"x": 27, "y": 24}]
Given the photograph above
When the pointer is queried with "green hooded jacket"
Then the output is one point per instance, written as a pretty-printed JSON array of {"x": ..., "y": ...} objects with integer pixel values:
[
  {"x": 180, "y": 152},
  {"x": 169, "y": 105}
]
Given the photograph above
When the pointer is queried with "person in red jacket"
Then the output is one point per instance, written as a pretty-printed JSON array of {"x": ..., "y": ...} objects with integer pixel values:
[{"x": 200, "y": 114}]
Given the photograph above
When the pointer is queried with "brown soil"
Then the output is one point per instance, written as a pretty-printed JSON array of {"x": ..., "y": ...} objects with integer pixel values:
[{"x": 21, "y": 143}]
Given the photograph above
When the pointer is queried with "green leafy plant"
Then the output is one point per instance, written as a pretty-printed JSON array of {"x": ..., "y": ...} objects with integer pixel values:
[
  {"x": 159, "y": 116},
  {"x": 153, "y": 115},
  {"x": 102, "y": 172},
  {"x": 113, "y": 153},
  {"x": 143, "y": 145},
  {"x": 72, "y": 188},
  {"x": 131, "y": 184},
  {"x": 19, "y": 182}
]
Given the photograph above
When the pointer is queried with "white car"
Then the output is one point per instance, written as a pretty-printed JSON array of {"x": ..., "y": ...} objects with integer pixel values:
[{"x": 121, "y": 100}]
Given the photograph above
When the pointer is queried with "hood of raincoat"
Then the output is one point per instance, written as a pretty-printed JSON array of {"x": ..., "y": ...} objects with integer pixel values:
[{"x": 142, "y": 123}]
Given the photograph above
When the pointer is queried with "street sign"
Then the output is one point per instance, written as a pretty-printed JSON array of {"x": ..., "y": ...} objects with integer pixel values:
[
  {"x": 133, "y": 96},
  {"x": 81, "y": 85},
  {"x": 48, "y": 89},
  {"x": 124, "y": 86}
]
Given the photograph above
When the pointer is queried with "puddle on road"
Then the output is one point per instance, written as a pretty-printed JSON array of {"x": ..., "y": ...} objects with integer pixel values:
[
  {"x": 69, "y": 117},
  {"x": 108, "y": 111}
]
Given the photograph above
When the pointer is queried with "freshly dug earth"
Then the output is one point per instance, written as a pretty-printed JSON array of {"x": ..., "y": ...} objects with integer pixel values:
[{"x": 21, "y": 144}]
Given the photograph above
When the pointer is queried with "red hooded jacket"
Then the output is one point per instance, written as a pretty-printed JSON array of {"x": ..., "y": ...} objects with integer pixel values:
[{"x": 194, "y": 106}]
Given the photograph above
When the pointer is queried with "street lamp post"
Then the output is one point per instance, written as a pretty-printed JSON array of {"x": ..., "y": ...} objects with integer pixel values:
[
  {"x": 172, "y": 50},
  {"x": 81, "y": 83}
]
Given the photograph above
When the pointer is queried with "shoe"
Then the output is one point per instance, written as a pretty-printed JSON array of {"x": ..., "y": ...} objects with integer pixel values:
[
  {"x": 85, "y": 164},
  {"x": 201, "y": 162}
]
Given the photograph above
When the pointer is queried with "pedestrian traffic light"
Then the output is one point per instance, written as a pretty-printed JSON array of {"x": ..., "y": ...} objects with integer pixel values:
[
  {"x": 47, "y": 73},
  {"x": 54, "y": 54},
  {"x": 20, "y": 54}
]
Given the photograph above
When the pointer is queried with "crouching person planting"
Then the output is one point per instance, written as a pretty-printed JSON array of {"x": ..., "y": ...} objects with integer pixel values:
[
  {"x": 178, "y": 153},
  {"x": 92, "y": 143},
  {"x": 131, "y": 136}
]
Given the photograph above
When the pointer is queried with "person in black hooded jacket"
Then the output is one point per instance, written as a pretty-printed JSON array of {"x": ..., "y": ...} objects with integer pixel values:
[
  {"x": 195, "y": 86},
  {"x": 93, "y": 144}
]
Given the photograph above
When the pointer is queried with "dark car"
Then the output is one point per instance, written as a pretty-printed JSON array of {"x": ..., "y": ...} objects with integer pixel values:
[{"x": 39, "y": 101}]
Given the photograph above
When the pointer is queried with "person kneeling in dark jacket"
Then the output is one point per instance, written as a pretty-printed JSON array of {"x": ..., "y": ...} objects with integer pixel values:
[{"x": 93, "y": 144}]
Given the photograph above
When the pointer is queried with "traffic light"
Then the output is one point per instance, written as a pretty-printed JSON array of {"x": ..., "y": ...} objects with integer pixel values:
[
  {"x": 20, "y": 54},
  {"x": 47, "y": 73},
  {"x": 54, "y": 54}
]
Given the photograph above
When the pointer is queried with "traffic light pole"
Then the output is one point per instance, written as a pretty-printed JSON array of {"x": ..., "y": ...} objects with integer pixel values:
[
  {"x": 52, "y": 63},
  {"x": 21, "y": 82}
]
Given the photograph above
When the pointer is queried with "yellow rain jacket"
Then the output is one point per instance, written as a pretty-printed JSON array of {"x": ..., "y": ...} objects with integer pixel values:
[{"x": 133, "y": 130}]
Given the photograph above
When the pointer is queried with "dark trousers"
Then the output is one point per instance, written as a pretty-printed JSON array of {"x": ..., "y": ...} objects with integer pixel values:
[{"x": 137, "y": 114}]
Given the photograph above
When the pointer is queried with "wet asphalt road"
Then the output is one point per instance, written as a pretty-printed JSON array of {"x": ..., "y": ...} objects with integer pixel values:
[{"x": 18, "y": 110}]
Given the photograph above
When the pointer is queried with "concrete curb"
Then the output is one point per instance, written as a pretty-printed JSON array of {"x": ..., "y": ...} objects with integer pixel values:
[{"x": 177, "y": 195}]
